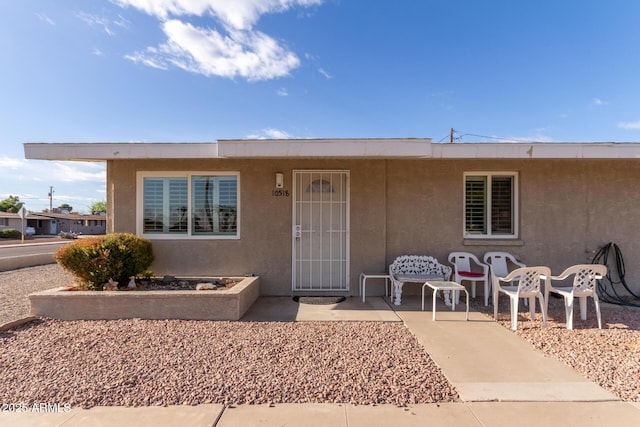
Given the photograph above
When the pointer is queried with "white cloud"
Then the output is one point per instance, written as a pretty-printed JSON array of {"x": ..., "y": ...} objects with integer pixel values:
[
  {"x": 598, "y": 101},
  {"x": 629, "y": 125},
  {"x": 238, "y": 14},
  {"x": 76, "y": 183},
  {"x": 282, "y": 92},
  {"x": 271, "y": 133},
  {"x": 11, "y": 163},
  {"x": 78, "y": 172},
  {"x": 249, "y": 54},
  {"x": 46, "y": 19},
  {"x": 150, "y": 58},
  {"x": 235, "y": 50},
  {"x": 324, "y": 73},
  {"x": 95, "y": 20},
  {"x": 97, "y": 52},
  {"x": 16, "y": 169}
]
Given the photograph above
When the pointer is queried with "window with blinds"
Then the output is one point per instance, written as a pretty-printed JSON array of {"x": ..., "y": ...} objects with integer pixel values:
[
  {"x": 490, "y": 205},
  {"x": 165, "y": 205},
  {"x": 189, "y": 205},
  {"x": 214, "y": 204}
]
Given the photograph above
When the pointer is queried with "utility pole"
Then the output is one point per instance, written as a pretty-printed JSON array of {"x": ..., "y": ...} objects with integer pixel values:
[
  {"x": 451, "y": 136},
  {"x": 50, "y": 199}
]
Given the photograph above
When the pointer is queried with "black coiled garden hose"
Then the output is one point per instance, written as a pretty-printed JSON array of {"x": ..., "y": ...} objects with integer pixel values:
[{"x": 606, "y": 289}]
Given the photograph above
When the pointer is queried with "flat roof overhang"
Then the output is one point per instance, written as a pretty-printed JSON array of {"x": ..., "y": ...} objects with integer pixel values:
[
  {"x": 383, "y": 148},
  {"x": 102, "y": 151}
]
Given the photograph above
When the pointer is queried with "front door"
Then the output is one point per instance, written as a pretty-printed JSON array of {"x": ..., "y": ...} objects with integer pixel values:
[{"x": 320, "y": 239}]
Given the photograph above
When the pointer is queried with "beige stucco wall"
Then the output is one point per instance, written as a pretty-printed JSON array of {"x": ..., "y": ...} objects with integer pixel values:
[{"x": 568, "y": 210}]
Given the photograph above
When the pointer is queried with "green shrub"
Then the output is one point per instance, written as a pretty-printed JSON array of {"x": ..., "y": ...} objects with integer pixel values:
[
  {"x": 95, "y": 260},
  {"x": 10, "y": 233}
]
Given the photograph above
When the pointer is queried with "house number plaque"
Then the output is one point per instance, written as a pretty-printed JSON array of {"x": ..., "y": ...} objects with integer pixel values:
[{"x": 280, "y": 193}]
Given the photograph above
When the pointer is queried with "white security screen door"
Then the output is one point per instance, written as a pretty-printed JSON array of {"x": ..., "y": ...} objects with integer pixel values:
[{"x": 320, "y": 238}]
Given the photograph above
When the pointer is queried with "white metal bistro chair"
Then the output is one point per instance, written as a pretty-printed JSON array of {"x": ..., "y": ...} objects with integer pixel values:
[
  {"x": 499, "y": 263},
  {"x": 584, "y": 286},
  {"x": 528, "y": 286},
  {"x": 465, "y": 268}
]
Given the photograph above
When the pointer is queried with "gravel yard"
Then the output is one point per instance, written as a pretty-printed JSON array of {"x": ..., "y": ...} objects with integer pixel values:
[
  {"x": 137, "y": 363},
  {"x": 16, "y": 285}
]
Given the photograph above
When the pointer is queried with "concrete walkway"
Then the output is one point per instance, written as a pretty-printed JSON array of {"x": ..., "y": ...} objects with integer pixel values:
[{"x": 501, "y": 379}]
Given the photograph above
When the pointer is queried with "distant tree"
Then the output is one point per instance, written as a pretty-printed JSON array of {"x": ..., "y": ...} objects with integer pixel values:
[
  {"x": 45, "y": 210},
  {"x": 65, "y": 207},
  {"x": 99, "y": 207},
  {"x": 11, "y": 204}
]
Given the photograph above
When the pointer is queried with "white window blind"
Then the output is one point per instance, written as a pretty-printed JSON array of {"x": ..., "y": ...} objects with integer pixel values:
[{"x": 490, "y": 205}]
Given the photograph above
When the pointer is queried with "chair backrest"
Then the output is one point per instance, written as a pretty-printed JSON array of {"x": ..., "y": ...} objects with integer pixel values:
[
  {"x": 499, "y": 262},
  {"x": 585, "y": 276},
  {"x": 529, "y": 278},
  {"x": 460, "y": 260}
]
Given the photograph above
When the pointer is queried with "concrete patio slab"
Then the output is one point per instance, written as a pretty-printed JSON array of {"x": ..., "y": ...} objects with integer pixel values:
[
  {"x": 499, "y": 366},
  {"x": 433, "y": 415},
  {"x": 36, "y": 419},
  {"x": 565, "y": 414},
  {"x": 308, "y": 415},
  {"x": 352, "y": 309}
]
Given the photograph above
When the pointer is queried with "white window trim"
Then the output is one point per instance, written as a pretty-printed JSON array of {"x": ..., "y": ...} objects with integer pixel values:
[
  {"x": 516, "y": 198},
  {"x": 140, "y": 175}
]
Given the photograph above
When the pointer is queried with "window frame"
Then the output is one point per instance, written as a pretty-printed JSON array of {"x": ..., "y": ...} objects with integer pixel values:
[
  {"x": 514, "y": 205},
  {"x": 189, "y": 235}
]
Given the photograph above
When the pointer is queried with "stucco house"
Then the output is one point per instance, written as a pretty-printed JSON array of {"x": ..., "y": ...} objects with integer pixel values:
[
  {"x": 308, "y": 216},
  {"x": 56, "y": 222},
  {"x": 45, "y": 223},
  {"x": 13, "y": 220}
]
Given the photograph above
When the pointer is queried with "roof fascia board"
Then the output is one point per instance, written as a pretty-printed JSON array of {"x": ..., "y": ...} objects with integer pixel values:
[
  {"x": 543, "y": 150},
  {"x": 94, "y": 151},
  {"x": 328, "y": 148}
]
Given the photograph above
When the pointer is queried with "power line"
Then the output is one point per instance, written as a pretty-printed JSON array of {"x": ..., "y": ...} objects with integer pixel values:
[{"x": 496, "y": 138}]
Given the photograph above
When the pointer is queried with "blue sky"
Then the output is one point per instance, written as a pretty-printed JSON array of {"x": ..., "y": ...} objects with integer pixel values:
[{"x": 194, "y": 71}]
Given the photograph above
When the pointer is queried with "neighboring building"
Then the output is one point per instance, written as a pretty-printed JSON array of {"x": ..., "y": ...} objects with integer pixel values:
[
  {"x": 45, "y": 223},
  {"x": 309, "y": 216},
  {"x": 54, "y": 223},
  {"x": 12, "y": 220}
]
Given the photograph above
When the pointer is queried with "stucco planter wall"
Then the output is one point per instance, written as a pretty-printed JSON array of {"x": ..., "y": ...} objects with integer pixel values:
[{"x": 230, "y": 304}]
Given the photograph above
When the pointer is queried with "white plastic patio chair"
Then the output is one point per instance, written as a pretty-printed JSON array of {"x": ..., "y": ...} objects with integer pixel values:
[
  {"x": 584, "y": 286},
  {"x": 464, "y": 270},
  {"x": 499, "y": 263},
  {"x": 529, "y": 287}
]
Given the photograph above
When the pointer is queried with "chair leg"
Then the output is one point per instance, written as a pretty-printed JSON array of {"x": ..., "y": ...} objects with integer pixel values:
[
  {"x": 532, "y": 307},
  {"x": 495, "y": 305},
  {"x": 514, "y": 313},
  {"x": 543, "y": 309},
  {"x": 486, "y": 293},
  {"x": 596, "y": 301},
  {"x": 568, "y": 307},
  {"x": 397, "y": 288},
  {"x": 583, "y": 307}
]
